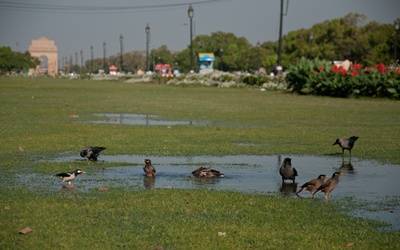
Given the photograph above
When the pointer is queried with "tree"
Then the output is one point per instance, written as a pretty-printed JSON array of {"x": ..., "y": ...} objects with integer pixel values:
[
  {"x": 11, "y": 61},
  {"x": 230, "y": 51},
  {"x": 162, "y": 55},
  {"x": 349, "y": 37}
]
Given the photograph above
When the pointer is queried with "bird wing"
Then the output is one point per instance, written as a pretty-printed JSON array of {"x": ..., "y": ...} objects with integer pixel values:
[
  {"x": 295, "y": 172},
  {"x": 97, "y": 150},
  {"x": 326, "y": 184},
  {"x": 312, "y": 182},
  {"x": 216, "y": 172},
  {"x": 63, "y": 174},
  {"x": 281, "y": 172}
]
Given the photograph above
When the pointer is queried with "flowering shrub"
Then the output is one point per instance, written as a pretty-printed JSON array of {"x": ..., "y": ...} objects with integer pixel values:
[{"x": 321, "y": 78}]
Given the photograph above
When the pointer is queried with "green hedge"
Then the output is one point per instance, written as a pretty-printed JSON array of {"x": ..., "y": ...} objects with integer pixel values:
[{"x": 322, "y": 78}]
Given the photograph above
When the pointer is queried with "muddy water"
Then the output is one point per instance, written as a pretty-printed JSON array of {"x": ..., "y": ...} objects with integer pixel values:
[{"x": 368, "y": 182}]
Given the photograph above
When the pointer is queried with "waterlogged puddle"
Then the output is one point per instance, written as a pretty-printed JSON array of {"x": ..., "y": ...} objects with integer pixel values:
[
  {"x": 142, "y": 120},
  {"x": 366, "y": 181}
]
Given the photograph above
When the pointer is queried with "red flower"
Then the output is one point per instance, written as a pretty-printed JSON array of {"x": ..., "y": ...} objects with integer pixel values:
[
  {"x": 381, "y": 68},
  {"x": 357, "y": 66},
  {"x": 354, "y": 73},
  {"x": 335, "y": 68},
  {"x": 339, "y": 70},
  {"x": 342, "y": 71}
]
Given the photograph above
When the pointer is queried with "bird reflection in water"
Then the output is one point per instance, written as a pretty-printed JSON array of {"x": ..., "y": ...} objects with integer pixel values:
[
  {"x": 68, "y": 186},
  {"x": 346, "y": 168},
  {"x": 149, "y": 182},
  {"x": 204, "y": 181},
  {"x": 288, "y": 188}
]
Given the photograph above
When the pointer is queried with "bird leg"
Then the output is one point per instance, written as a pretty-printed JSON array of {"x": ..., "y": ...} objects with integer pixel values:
[{"x": 297, "y": 193}]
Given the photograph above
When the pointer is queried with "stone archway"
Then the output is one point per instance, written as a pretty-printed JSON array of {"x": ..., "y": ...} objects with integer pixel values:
[
  {"x": 44, "y": 64},
  {"x": 46, "y": 51}
]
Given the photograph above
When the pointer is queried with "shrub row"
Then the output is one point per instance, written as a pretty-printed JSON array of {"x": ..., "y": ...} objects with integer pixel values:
[{"x": 322, "y": 78}]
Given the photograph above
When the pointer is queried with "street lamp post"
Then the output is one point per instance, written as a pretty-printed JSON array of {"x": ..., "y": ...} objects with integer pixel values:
[
  {"x": 121, "y": 43},
  {"x": 147, "y": 30},
  {"x": 396, "y": 40},
  {"x": 80, "y": 68},
  {"x": 91, "y": 59},
  {"x": 280, "y": 35},
  {"x": 104, "y": 57},
  {"x": 190, "y": 15}
]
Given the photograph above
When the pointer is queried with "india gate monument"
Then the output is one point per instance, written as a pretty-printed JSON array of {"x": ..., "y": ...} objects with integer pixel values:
[{"x": 46, "y": 51}]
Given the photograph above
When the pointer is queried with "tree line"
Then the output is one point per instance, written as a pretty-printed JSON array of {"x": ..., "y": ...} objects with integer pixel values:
[{"x": 351, "y": 37}]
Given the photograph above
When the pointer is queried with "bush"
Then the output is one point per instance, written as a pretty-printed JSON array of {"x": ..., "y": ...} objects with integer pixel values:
[
  {"x": 321, "y": 78},
  {"x": 254, "y": 80}
]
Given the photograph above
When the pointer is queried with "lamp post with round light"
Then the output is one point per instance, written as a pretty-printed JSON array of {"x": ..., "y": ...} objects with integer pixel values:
[{"x": 190, "y": 15}]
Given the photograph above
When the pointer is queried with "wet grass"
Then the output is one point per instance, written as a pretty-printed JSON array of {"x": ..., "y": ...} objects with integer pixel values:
[
  {"x": 37, "y": 117},
  {"x": 178, "y": 219},
  {"x": 38, "y": 122}
]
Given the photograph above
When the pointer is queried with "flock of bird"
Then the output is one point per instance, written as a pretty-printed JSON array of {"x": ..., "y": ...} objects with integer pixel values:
[{"x": 287, "y": 172}]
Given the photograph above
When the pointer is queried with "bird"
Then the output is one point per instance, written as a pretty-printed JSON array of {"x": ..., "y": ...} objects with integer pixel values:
[
  {"x": 148, "y": 169},
  {"x": 313, "y": 185},
  {"x": 346, "y": 143},
  {"x": 69, "y": 176},
  {"x": 329, "y": 185},
  {"x": 91, "y": 153},
  {"x": 287, "y": 171},
  {"x": 206, "y": 172}
]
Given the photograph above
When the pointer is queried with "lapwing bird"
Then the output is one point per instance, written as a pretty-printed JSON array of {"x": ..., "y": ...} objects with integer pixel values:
[
  {"x": 91, "y": 153},
  {"x": 346, "y": 143},
  {"x": 313, "y": 185},
  {"x": 287, "y": 171},
  {"x": 69, "y": 176},
  {"x": 204, "y": 172},
  {"x": 329, "y": 186},
  {"x": 148, "y": 169}
]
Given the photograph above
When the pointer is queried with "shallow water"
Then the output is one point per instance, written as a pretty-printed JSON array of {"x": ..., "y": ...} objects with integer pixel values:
[
  {"x": 365, "y": 181},
  {"x": 142, "y": 120}
]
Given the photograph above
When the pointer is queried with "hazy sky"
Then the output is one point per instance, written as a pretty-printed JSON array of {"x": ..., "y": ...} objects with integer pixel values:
[{"x": 257, "y": 20}]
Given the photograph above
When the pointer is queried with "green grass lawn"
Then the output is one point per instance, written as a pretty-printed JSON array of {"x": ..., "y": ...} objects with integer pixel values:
[
  {"x": 179, "y": 219},
  {"x": 36, "y": 123}
]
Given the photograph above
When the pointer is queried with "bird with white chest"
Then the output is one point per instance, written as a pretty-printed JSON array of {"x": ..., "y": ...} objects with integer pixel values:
[{"x": 68, "y": 177}]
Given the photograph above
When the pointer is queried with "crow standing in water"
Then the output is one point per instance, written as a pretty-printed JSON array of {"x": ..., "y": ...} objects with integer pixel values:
[
  {"x": 91, "y": 153},
  {"x": 148, "y": 169},
  {"x": 287, "y": 171},
  {"x": 346, "y": 143}
]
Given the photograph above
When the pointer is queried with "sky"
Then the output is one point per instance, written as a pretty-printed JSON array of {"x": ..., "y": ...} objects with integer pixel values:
[{"x": 257, "y": 20}]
